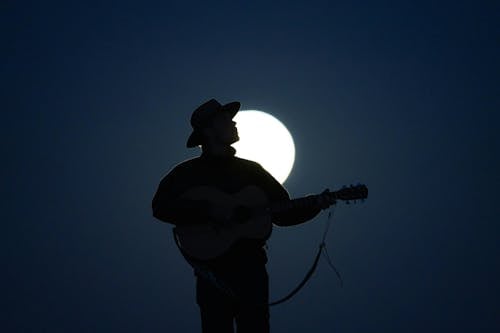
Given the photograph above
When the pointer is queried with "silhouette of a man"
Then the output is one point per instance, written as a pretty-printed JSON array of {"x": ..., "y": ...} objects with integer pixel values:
[{"x": 241, "y": 269}]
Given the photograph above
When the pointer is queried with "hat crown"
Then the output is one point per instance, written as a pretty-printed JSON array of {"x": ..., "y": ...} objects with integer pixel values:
[{"x": 204, "y": 113}]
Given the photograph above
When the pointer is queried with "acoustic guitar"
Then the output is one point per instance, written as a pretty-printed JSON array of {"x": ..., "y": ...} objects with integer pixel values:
[{"x": 250, "y": 212}]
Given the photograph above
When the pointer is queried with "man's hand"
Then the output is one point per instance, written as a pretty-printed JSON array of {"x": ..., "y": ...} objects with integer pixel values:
[{"x": 325, "y": 199}]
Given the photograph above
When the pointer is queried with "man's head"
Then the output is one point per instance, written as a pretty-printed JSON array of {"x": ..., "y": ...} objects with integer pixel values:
[{"x": 213, "y": 122}]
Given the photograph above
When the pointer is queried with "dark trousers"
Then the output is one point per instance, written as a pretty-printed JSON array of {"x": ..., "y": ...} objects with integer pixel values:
[{"x": 247, "y": 307}]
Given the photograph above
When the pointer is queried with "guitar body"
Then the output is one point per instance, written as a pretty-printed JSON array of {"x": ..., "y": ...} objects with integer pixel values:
[{"x": 207, "y": 241}]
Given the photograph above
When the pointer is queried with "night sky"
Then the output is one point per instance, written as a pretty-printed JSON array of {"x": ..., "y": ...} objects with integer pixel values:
[{"x": 402, "y": 96}]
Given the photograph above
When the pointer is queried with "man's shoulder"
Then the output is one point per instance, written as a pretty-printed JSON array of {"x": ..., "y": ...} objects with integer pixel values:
[
  {"x": 245, "y": 162},
  {"x": 182, "y": 167},
  {"x": 188, "y": 163}
]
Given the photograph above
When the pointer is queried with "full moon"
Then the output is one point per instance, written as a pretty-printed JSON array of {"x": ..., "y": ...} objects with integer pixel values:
[{"x": 265, "y": 140}]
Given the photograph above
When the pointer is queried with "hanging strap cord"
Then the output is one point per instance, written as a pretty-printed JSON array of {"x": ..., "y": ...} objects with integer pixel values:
[
  {"x": 322, "y": 249},
  {"x": 325, "y": 252}
]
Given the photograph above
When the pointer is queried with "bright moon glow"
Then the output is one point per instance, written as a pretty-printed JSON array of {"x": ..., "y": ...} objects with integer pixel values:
[{"x": 265, "y": 140}]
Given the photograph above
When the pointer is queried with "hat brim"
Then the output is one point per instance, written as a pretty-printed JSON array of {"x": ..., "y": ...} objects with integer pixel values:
[
  {"x": 196, "y": 137},
  {"x": 232, "y": 108}
]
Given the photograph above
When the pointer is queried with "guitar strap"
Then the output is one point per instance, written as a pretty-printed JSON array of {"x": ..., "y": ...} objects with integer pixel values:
[
  {"x": 204, "y": 272},
  {"x": 322, "y": 249},
  {"x": 301, "y": 284}
]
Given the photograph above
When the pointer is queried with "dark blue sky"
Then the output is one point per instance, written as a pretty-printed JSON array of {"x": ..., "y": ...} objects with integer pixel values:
[{"x": 402, "y": 96}]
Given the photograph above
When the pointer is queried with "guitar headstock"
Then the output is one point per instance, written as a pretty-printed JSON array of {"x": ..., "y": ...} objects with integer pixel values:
[{"x": 352, "y": 193}]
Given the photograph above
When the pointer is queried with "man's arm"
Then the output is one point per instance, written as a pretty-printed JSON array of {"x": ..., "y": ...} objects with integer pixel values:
[
  {"x": 168, "y": 206},
  {"x": 295, "y": 216},
  {"x": 179, "y": 211},
  {"x": 276, "y": 192},
  {"x": 303, "y": 214}
]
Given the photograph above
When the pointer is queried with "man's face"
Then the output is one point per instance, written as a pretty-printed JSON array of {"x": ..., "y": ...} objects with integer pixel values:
[{"x": 223, "y": 129}]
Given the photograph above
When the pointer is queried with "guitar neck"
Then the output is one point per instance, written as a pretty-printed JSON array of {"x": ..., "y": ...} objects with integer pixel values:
[{"x": 346, "y": 194}]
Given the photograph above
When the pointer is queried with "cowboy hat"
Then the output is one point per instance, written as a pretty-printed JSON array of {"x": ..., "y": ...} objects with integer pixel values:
[{"x": 202, "y": 116}]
